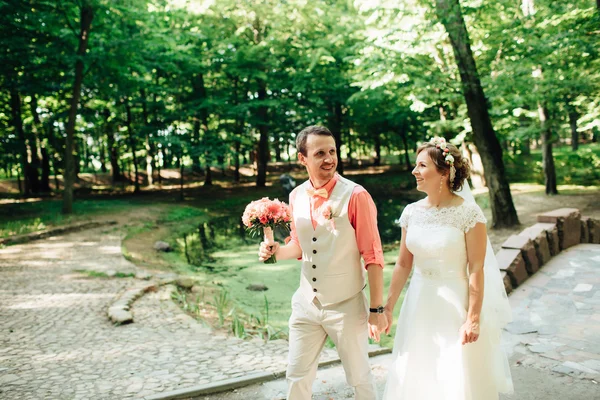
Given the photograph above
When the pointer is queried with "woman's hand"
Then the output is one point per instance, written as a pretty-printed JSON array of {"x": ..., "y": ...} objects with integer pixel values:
[
  {"x": 390, "y": 319},
  {"x": 469, "y": 332}
]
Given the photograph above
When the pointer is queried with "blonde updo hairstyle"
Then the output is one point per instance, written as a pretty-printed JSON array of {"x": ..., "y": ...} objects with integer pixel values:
[{"x": 461, "y": 165}]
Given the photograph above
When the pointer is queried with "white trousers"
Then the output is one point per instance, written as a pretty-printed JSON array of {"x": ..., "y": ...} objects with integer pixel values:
[{"x": 346, "y": 324}]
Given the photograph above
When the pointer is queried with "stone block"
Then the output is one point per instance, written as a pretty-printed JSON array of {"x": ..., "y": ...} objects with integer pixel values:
[
  {"x": 585, "y": 230},
  {"x": 506, "y": 280},
  {"x": 539, "y": 236},
  {"x": 552, "y": 235},
  {"x": 568, "y": 221},
  {"x": 594, "y": 228},
  {"x": 511, "y": 261},
  {"x": 528, "y": 252}
]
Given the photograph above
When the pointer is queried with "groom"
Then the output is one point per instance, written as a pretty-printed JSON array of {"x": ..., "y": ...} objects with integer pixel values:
[{"x": 334, "y": 224}]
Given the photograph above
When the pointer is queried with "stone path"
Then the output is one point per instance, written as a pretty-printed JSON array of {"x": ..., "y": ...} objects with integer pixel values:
[
  {"x": 56, "y": 341},
  {"x": 553, "y": 342},
  {"x": 556, "y": 315}
]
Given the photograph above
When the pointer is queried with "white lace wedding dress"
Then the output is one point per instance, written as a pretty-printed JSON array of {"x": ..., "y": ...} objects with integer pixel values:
[{"x": 430, "y": 363}]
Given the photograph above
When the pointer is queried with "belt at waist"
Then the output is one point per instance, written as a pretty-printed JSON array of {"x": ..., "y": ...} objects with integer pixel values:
[{"x": 434, "y": 273}]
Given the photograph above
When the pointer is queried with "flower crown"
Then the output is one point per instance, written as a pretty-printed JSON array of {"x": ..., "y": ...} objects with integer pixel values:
[{"x": 441, "y": 144}]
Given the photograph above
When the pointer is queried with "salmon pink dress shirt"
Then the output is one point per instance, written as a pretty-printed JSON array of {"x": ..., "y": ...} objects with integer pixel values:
[{"x": 362, "y": 214}]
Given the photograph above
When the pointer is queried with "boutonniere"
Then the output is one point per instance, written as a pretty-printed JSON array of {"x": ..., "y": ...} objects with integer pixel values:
[{"x": 327, "y": 215}]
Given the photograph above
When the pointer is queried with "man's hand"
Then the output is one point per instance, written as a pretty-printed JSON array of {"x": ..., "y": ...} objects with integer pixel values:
[
  {"x": 266, "y": 250},
  {"x": 377, "y": 324}
]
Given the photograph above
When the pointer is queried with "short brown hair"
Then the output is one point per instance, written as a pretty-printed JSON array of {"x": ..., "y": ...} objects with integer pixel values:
[
  {"x": 310, "y": 130},
  {"x": 461, "y": 164}
]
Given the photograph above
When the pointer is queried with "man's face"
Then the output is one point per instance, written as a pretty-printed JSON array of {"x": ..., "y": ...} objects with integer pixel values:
[{"x": 321, "y": 158}]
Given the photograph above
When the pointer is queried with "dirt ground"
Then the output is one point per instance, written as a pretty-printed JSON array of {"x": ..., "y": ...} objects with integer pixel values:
[{"x": 530, "y": 201}]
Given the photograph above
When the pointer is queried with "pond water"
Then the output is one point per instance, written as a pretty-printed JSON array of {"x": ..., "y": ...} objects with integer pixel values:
[{"x": 228, "y": 232}]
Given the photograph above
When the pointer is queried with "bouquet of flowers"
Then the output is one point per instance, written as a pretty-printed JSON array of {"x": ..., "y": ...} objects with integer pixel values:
[{"x": 266, "y": 214}]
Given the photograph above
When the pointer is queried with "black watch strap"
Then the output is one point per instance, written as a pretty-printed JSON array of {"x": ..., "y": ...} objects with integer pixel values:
[{"x": 378, "y": 310}]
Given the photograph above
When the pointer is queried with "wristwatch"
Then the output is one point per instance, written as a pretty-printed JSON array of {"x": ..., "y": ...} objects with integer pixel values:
[{"x": 378, "y": 310}]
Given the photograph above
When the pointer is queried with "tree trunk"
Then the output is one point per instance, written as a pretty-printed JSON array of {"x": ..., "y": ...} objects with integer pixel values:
[
  {"x": 239, "y": 131},
  {"x": 377, "y": 161},
  {"x": 335, "y": 125},
  {"x": 181, "y": 177},
  {"x": 200, "y": 89},
  {"x": 17, "y": 120},
  {"x": 34, "y": 155},
  {"x": 263, "y": 143},
  {"x": 406, "y": 158},
  {"x": 526, "y": 147},
  {"x": 574, "y": 134},
  {"x": 102, "y": 156},
  {"x": 147, "y": 142},
  {"x": 132, "y": 145},
  {"x": 69, "y": 175},
  {"x": 200, "y": 119},
  {"x": 236, "y": 172},
  {"x": 277, "y": 144},
  {"x": 503, "y": 209},
  {"x": 162, "y": 153},
  {"x": 113, "y": 150},
  {"x": 45, "y": 182},
  {"x": 19, "y": 179},
  {"x": 349, "y": 144},
  {"x": 547, "y": 158}
]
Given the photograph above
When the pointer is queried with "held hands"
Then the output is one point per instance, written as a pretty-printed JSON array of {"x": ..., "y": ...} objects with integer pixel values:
[
  {"x": 390, "y": 319},
  {"x": 469, "y": 332},
  {"x": 377, "y": 324},
  {"x": 266, "y": 250}
]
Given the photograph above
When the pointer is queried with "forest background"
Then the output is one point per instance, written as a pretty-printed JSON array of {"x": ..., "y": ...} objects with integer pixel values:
[{"x": 180, "y": 112}]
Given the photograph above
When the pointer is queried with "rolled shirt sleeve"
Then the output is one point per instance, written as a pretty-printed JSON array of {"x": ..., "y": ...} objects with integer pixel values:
[
  {"x": 362, "y": 214},
  {"x": 293, "y": 234}
]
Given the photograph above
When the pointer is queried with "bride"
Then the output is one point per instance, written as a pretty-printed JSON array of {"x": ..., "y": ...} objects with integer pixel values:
[{"x": 447, "y": 344}]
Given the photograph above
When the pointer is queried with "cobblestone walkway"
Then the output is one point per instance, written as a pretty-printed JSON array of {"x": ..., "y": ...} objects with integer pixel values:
[
  {"x": 554, "y": 340},
  {"x": 56, "y": 341},
  {"x": 557, "y": 315}
]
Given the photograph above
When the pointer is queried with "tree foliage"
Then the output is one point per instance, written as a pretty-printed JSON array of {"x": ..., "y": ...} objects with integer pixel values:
[{"x": 205, "y": 85}]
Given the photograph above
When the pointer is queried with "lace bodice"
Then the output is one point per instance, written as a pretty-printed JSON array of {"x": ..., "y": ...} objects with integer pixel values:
[{"x": 436, "y": 238}]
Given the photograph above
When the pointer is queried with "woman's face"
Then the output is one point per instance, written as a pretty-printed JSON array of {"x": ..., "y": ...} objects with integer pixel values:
[{"x": 427, "y": 176}]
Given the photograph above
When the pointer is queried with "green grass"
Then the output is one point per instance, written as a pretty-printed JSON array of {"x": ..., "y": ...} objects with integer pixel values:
[
  {"x": 572, "y": 168},
  {"x": 238, "y": 268},
  {"x": 100, "y": 274}
]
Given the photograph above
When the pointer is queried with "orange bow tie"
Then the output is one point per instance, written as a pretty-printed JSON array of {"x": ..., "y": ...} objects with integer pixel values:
[{"x": 317, "y": 192}]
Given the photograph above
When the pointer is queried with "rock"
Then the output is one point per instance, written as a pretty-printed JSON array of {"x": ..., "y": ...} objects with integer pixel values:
[
  {"x": 162, "y": 246},
  {"x": 539, "y": 234},
  {"x": 257, "y": 287},
  {"x": 528, "y": 252},
  {"x": 511, "y": 261},
  {"x": 185, "y": 283},
  {"x": 541, "y": 348},
  {"x": 552, "y": 236},
  {"x": 585, "y": 230},
  {"x": 521, "y": 327},
  {"x": 594, "y": 229},
  {"x": 287, "y": 183},
  {"x": 119, "y": 316},
  {"x": 506, "y": 280},
  {"x": 568, "y": 221}
]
